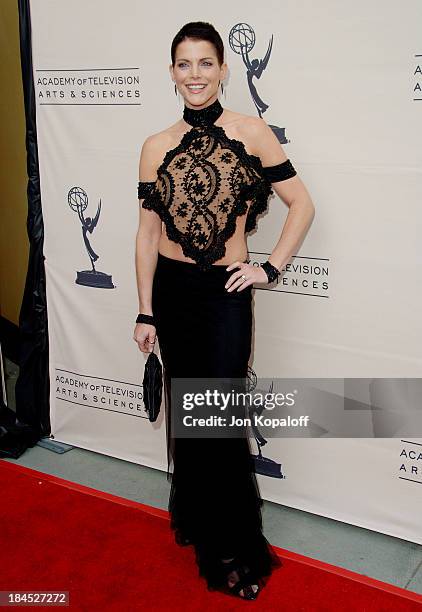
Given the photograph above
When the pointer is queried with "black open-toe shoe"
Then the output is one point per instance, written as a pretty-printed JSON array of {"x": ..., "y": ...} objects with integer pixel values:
[{"x": 244, "y": 582}]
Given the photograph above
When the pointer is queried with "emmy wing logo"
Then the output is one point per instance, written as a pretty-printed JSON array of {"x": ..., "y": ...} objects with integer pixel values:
[
  {"x": 242, "y": 41},
  {"x": 78, "y": 201}
]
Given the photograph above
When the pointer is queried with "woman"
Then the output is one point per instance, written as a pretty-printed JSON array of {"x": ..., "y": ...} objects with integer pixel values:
[{"x": 202, "y": 183}]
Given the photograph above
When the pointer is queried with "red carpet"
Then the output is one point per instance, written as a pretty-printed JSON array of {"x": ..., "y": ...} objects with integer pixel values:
[{"x": 114, "y": 554}]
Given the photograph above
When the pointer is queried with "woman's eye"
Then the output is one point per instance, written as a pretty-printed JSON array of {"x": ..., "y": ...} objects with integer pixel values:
[{"x": 184, "y": 64}]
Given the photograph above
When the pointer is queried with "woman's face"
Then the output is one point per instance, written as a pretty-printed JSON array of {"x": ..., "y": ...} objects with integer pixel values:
[{"x": 196, "y": 63}]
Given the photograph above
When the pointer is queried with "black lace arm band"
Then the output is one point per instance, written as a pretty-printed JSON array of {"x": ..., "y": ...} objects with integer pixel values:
[
  {"x": 144, "y": 318},
  {"x": 145, "y": 188},
  {"x": 279, "y": 172},
  {"x": 271, "y": 271}
]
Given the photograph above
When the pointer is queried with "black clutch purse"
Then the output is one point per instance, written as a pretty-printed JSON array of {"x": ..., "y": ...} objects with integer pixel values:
[{"x": 153, "y": 386}]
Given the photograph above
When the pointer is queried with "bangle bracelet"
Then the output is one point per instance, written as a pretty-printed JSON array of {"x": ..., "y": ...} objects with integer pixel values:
[
  {"x": 271, "y": 271},
  {"x": 144, "y": 318}
]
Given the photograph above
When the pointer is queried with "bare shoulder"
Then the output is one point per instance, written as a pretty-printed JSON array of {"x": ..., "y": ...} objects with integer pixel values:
[
  {"x": 154, "y": 143},
  {"x": 259, "y": 138},
  {"x": 248, "y": 125},
  {"x": 154, "y": 149}
]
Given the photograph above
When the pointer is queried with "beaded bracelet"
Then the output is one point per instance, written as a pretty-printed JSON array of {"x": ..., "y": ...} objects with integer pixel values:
[
  {"x": 144, "y": 318},
  {"x": 271, "y": 271}
]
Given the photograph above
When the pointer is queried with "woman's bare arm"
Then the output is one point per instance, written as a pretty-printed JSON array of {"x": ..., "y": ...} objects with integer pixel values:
[
  {"x": 146, "y": 251},
  {"x": 149, "y": 232},
  {"x": 294, "y": 194},
  {"x": 291, "y": 191}
]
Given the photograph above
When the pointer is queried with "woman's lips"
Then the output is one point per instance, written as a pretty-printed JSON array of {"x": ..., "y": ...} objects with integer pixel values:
[{"x": 196, "y": 90}]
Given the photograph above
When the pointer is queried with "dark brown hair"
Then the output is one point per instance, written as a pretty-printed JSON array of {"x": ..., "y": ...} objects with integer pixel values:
[{"x": 201, "y": 30}]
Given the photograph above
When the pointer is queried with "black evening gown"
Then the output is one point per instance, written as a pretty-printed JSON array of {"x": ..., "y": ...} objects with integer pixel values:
[{"x": 205, "y": 331}]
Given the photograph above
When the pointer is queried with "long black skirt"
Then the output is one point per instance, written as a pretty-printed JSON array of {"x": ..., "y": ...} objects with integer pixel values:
[{"x": 215, "y": 504}]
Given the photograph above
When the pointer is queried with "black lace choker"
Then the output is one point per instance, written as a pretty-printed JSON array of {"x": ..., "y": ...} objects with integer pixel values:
[{"x": 203, "y": 116}]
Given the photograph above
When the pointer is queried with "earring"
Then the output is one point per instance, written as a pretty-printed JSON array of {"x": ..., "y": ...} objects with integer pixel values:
[
  {"x": 177, "y": 93},
  {"x": 222, "y": 89}
]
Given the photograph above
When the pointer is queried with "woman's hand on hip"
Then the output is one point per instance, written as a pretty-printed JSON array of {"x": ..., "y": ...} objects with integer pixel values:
[
  {"x": 245, "y": 275},
  {"x": 145, "y": 336}
]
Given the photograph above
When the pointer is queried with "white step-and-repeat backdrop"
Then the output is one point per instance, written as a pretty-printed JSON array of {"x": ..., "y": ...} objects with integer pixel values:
[{"x": 341, "y": 86}]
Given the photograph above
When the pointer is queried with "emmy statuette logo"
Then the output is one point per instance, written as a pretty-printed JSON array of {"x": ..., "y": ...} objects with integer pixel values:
[
  {"x": 78, "y": 201},
  {"x": 242, "y": 41},
  {"x": 263, "y": 465}
]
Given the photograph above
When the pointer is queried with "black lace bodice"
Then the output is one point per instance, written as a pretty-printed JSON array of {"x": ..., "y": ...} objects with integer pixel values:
[{"x": 203, "y": 185}]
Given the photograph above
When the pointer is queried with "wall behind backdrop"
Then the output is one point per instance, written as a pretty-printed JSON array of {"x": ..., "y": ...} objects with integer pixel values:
[
  {"x": 340, "y": 88},
  {"x": 13, "y": 204}
]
